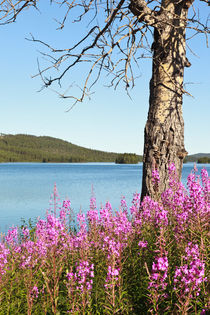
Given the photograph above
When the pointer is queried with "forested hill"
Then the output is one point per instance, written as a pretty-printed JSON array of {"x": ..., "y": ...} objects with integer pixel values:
[
  {"x": 199, "y": 158},
  {"x": 27, "y": 148}
]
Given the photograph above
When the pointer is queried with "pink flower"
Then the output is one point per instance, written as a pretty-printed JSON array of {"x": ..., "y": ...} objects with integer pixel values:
[
  {"x": 4, "y": 252},
  {"x": 159, "y": 274},
  {"x": 143, "y": 244},
  {"x": 34, "y": 292},
  {"x": 190, "y": 275}
]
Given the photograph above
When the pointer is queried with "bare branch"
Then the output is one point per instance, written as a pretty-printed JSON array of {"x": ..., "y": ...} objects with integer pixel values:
[
  {"x": 207, "y": 1},
  {"x": 118, "y": 33},
  {"x": 9, "y": 9},
  {"x": 144, "y": 14}
]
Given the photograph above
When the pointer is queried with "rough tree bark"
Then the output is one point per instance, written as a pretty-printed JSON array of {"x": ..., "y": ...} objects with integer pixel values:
[{"x": 164, "y": 130}]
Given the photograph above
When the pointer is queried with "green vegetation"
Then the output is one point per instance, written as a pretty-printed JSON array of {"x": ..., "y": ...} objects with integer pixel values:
[
  {"x": 27, "y": 148},
  {"x": 204, "y": 160},
  {"x": 109, "y": 262},
  {"x": 127, "y": 158},
  {"x": 197, "y": 157}
]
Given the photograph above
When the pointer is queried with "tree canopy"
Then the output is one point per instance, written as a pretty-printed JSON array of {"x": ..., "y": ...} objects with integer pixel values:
[
  {"x": 27, "y": 148},
  {"x": 127, "y": 158}
]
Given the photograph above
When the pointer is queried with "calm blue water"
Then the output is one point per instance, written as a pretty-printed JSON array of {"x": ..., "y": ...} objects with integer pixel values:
[{"x": 25, "y": 188}]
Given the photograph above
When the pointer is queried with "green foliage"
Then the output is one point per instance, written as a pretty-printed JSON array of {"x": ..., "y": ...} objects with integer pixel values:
[
  {"x": 196, "y": 157},
  {"x": 27, "y": 148},
  {"x": 128, "y": 158},
  {"x": 114, "y": 262},
  {"x": 204, "y": 160}
]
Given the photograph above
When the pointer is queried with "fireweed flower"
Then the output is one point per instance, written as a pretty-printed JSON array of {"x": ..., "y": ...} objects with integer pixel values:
[
  {"x": 122, "y": 227},
  {"x": 113, "y": 271},
  {"x": 136, "y": 214},
  {"x": 67, "y": 204},
  {"x": 62, "y": 215},
  {"x": 112, "y": 276},
  {"x": 106, "y": 219},
  {"x": 81, "y": 239},
  {"x": 190, "y": 275},
  {"x": 195, "y": 192},
  {"x": 25, "y": 232},
  {"x": 70, "y": 276},
  {"x": 50, "y": 233},
  {"x": 205, "y": 179},
  {"x": 66, "y": 208},
  {"x": 112, "y": 247},
  {"x": 55, "y": 202},
  {"x": 147, "y": 206},
  {"x": 83, "y": 276},
  {"x": 123, "y": 205},
  {"x": 117, "y": 226},
  {"x": 159, "y": 274},
  {"x": 153, "y": 212},
  {"x": 134, "y": 209},
  {"x": 4, "y": 252},
  {"x": 177, "y": 201},
  {"x": 92, "y": 214},
  {"x": 93, "y": 203},
  {"x": 174, "y": 182},
  {"x": 143, "y": 244},
  {"x": 172, "y": 170},
  {"x": 34, "y": 292},
  {"x": 178, "y": 210},
  {"x": 198, "y": 195},
  {"x": 161, "y": 216},
  {"x": 28, "y": 254},
  {"x": 206, "y": 186},
  {"x": 81, "y": 220},
  {"x": 12, "y": 236}
]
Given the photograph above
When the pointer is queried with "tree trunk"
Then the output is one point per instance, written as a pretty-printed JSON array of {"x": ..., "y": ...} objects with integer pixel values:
[{"x": 164, "y": 130}]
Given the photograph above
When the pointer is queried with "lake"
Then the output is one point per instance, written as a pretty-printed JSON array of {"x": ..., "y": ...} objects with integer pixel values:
[{"x": 25, "y": 188}]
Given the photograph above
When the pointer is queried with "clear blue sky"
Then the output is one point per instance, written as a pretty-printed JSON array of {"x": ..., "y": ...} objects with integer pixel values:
[{"x": 110, "y": 121}]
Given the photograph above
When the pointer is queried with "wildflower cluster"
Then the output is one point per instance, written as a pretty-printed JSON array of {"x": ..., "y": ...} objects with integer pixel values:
[
  {"x": 83, "y": 276},
  {"x": 189, "y": 277},
  {"x": 4, "y": 252},
  {"x": 159, "y": 273},
  {"x": 79, "y": 285},
  {"x": 152, "y": 258}
]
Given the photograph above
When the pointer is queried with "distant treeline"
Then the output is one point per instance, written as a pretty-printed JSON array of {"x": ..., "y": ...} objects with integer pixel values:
[
  {"x": 27, "y": 148},
  {"x": 198, "y": 158},
  {"x": 204, "y": 160},
  {"x": 128, "y": 158}
]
